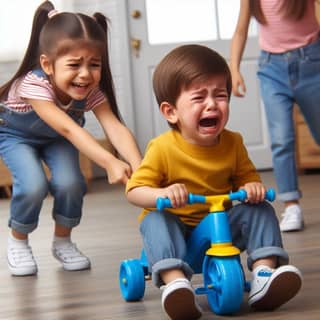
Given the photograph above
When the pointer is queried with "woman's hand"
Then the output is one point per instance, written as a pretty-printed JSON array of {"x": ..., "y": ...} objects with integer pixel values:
[{"x": 238, "y": 85}]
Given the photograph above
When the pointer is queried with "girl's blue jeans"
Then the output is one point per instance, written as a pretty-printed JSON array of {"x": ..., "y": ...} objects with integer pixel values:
[
  {"x": 254, "y": 228},
  {"x": 23, "y": 151},
  {"x": 286, "y": 78}
]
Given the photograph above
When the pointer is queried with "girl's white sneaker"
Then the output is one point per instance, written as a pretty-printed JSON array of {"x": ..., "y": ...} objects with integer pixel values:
[
  {"x": 20, "y": 258},
  {"x": 70, "y": 256}
]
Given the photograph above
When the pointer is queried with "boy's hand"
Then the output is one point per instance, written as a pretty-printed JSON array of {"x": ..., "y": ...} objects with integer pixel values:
[
  {"x": 177, "y": 193},
  {"x": 255, "y": 192}
]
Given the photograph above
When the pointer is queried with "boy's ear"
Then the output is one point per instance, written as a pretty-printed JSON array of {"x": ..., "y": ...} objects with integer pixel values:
[
  {"x": 169, "y": 112},
  {"x": 46, "y": 64}
]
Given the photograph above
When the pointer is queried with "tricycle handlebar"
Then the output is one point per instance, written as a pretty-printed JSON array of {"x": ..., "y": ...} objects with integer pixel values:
[{"x": 240, "y": 195}]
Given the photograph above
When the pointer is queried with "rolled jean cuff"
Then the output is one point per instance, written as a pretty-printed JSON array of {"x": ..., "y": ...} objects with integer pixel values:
[
  {"x": 265, "y": 252},
  {"x": 66, "y": 222},
  {"x": 168, "y": 264},
  {"x": 289, "y": 196},
  {"x": 22, "y": 228}
]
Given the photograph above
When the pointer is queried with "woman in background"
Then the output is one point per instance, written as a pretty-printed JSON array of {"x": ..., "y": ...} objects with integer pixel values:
[{"x": 289, "y": 72}]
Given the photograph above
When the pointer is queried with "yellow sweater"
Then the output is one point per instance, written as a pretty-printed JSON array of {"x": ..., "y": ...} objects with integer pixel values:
[{"x": 214, "y": 170}]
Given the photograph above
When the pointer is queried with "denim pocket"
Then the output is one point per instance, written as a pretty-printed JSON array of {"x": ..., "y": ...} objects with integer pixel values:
[
  {"x": 310, "y": 66},
  {"x": 263, "y": 60},
  {"x": 40, "y": 128},
  {"x": 312, "y": 52},
  {"x": 313, "y": 57},
  {"x": 27, "y": 123}
]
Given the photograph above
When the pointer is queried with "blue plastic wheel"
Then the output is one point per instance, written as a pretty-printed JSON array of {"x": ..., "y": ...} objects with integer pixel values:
[
  {"x": 224, "y": 284},
  {"x": 131, "y": 280}
]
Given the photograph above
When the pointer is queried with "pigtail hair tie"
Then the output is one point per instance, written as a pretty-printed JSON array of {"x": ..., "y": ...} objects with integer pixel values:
[{"x": 52, "y": 13}]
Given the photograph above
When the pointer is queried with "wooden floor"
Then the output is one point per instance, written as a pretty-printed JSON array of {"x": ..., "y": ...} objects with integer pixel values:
[{"x": 108, "y": 234}]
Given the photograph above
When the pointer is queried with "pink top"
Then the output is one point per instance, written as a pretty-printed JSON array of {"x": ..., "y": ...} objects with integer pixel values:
[
  {"x": 281, "y": 34},
  {"x": 35, "y": 85}
]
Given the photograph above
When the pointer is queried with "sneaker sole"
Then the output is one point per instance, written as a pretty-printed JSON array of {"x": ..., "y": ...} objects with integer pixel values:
[
  {"x": 19, "y": 272},
  {"x": 292, "y": 227},
  {"x": 278, "y": 292},
  {"x": 75, "y": 266},
  {"x": 180, "y": 305}
]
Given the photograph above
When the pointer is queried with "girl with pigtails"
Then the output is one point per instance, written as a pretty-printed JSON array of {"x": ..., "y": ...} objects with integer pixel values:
[{"x": 65, "y": 72}]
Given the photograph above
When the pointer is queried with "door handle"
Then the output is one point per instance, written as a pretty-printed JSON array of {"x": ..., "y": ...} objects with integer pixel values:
[{"x": 136, "y": 14}]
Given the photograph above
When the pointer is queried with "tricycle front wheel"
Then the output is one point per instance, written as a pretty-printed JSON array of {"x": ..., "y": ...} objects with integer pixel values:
[
  {"x": 131, "y": 280},
  {"x": 224, "y": 283}
]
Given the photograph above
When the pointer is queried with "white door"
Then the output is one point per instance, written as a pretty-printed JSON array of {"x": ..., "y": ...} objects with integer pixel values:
[{"x": 156, "y": 27}]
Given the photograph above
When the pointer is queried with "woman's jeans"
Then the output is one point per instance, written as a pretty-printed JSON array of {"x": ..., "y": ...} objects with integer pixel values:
[
  {"x": 23, "y": 152},
  {"x": 254, "y": 228},
  {"x": 286, "y": 78}
]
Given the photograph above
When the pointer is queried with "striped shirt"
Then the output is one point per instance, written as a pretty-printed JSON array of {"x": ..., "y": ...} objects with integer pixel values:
[
  {"x": 35, "y": 85},
  {"x": 282, "y": 34}
]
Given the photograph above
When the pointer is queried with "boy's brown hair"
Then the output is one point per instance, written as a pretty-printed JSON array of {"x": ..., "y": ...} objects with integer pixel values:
[{"x": 184, "y": 65}]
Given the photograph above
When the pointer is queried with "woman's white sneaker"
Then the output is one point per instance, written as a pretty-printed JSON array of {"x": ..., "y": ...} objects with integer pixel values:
[{"x": 292, "y": 219}]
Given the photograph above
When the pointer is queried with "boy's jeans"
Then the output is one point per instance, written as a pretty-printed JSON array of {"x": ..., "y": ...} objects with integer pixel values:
[{"x": 254, "y": 228}]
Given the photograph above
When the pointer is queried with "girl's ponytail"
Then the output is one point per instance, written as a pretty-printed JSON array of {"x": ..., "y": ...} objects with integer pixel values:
[
  {"x": 102, "y": 21},
  {"x": 31, "y": 57},
  {"x": 106, "y": 84}
]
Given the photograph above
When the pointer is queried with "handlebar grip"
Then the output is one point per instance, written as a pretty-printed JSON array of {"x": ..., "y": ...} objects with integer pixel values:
[
  {"x": 196, "y": 198},
  {"x": 163, "y": 203},
  {"x": 241, "y": 195},
  {"x": 270, "y": 195}
]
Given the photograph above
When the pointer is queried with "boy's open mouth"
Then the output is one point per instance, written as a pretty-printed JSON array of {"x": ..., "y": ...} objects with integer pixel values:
[{"x": 208, "y": 122}]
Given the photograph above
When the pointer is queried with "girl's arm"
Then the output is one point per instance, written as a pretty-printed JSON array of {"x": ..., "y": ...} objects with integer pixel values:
[
  {"x": 117, "y": 170},
  {"x": 119, "y": 135},
  {"x": 238, "y": 43}
]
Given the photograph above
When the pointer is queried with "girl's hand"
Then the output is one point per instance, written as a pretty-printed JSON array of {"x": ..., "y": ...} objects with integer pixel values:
[
  {"x": 177, "y": 193},
  {"x": 255, "y": 192},
  {"x": 118, "y": 171}
]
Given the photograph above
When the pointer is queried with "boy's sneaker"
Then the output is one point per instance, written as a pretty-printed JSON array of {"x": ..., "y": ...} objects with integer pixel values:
[
  {"x": 70, "y": 256},
  {"x": 20, "y": 259},
  {"x": 292, "y": 219},
  {"x": 270, "y": 288},
  {"x": 179, "y": 301}
]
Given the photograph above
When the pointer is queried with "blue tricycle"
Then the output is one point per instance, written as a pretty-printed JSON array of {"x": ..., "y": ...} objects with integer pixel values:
[{"x": 210, "y": 252}]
